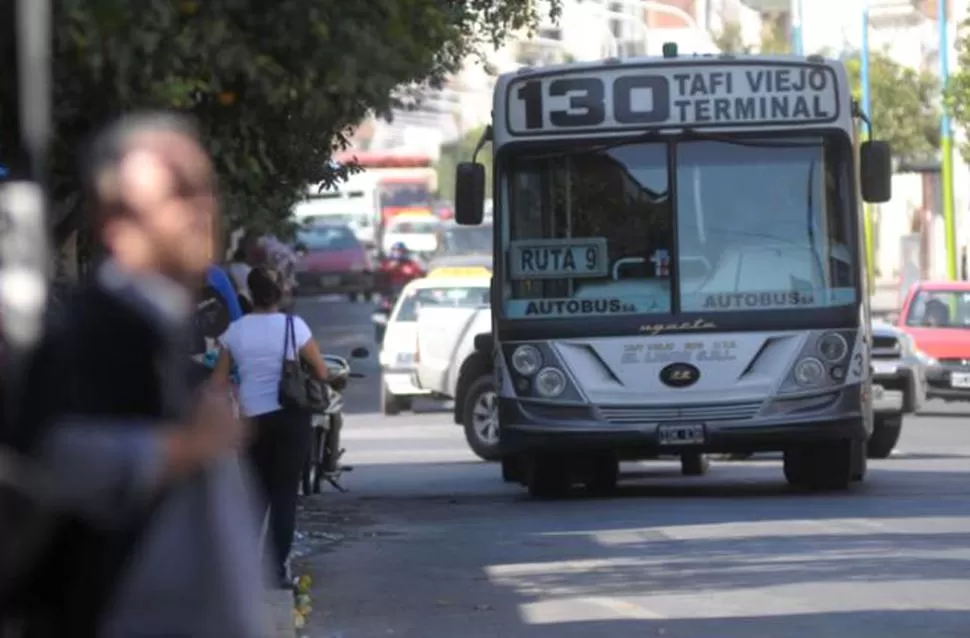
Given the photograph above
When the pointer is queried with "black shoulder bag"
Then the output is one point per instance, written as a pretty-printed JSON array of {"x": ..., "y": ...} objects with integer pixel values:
[{"x": 299, "y": 389}]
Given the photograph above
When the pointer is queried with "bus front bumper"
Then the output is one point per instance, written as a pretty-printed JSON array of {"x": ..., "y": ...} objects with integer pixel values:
[{"x": 527, "y": 427}]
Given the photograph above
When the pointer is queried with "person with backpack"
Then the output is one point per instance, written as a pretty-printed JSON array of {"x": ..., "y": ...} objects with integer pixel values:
[{"x": 151, "y": 512}]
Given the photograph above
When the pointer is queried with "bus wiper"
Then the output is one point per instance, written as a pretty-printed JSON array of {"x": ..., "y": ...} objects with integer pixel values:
[
  {"x": 693, "y": 134},
  {"x": 809, "y": 215},
  {"x": 646, "y": 136}
]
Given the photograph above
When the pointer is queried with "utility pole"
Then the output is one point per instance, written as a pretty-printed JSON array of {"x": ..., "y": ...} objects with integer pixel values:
[
  {"x": 795, "y": 9},
  {"x": 946, "y": 146},
  {"x": 866, "y": 108},
  {"x": 24, "y": 250}
]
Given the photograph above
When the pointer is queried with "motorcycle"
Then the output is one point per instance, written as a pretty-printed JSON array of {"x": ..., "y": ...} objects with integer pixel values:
[
  {"x": 323, "y": 461},
  {"x": 394, "y": 274}
]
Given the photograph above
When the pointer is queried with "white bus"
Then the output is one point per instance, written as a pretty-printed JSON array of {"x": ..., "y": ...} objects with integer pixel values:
[{"x": 679, "y": 266}]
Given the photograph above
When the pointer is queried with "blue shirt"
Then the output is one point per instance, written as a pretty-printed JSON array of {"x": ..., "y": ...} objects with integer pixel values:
[{"x": 219, "y": 280}]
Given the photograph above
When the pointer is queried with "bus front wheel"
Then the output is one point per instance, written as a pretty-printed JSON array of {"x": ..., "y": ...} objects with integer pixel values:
[{"x": 821, "y": 466}]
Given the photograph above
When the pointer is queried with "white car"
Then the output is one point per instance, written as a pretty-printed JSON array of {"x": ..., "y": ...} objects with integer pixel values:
[
  {"x": 418, "y": 232},
  {"x": 446, "y": 287}
]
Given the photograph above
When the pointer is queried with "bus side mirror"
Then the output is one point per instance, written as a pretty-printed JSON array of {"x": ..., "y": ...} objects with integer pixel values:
[
  {"x": 876, "y": 171},
  {"x": 469, "y": 193}
]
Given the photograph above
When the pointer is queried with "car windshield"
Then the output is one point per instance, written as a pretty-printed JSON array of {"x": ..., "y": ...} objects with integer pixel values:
[
  {"x": 414, "y": 227},
  {"x": 323, "y": 238},
  {"x": 465, "y": 240},
  {"x": 940, "y": 309},
  {"x": 760, "y": 224},
  {"x": 452, "y": 296},
  {"x": 405, "y": 196}
]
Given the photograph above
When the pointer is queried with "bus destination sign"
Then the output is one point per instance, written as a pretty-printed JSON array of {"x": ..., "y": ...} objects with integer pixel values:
[
  {"x": 558, "y": 258},
  {"x": 674, "y": 96}
]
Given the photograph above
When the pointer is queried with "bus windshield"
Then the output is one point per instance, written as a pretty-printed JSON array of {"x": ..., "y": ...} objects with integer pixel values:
[{"x": 736, "y": 224}]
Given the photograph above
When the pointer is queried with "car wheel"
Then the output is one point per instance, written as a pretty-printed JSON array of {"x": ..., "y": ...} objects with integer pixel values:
[
  {"x": 354, "y": 297},
  {"x": 480, "y": 418},
  {"x": 389, "y": 402},
  {"x": 885, "y": 435}
]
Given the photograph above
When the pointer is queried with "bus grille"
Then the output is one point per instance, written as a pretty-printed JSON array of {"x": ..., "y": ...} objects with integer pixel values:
[{"x": 628, "y": 415}]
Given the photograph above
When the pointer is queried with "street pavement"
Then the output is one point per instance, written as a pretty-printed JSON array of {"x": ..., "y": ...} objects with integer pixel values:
[{"x": 430, "y": 543}]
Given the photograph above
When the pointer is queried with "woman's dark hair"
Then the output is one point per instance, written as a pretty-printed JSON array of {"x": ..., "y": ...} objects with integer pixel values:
[{"x": 263, "y": 287}]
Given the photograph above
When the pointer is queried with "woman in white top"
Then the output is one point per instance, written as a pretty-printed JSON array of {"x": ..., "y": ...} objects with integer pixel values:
[{"x": 255, "y": 344}]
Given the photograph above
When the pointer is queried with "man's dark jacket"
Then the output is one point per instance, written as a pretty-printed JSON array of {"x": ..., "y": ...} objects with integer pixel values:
[{"x": 101, "y": 359}]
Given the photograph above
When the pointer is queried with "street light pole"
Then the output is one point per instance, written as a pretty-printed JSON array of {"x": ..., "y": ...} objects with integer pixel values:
[
  {"x": 864, "y": 85},
  {"x": 946, "y": 147},
  {"x": 796, "y": 27}
]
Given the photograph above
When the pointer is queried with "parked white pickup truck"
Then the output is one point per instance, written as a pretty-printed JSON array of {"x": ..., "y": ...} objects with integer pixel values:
[{"x": 454, "y": 361}]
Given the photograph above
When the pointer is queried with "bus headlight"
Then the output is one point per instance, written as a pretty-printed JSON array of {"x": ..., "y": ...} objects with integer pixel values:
[
  {"x": 833, "y": 347},
  {"x": 550, "y": 383},
  {"x": 810, "y": 372},
  {"x": 526, "y": 360}
]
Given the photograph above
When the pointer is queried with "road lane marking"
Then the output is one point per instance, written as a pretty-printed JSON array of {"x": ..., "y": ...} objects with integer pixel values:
[
  {"x": 555, "y": 611},
  {"x": 625, "y": 608}
]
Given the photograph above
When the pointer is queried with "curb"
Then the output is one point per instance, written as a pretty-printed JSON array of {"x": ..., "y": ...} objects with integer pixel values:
[{"x": 280, "y": 603}]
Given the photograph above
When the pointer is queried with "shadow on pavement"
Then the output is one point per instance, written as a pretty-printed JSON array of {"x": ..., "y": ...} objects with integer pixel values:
[
  {"x": 875, "y": 622},
  {"x": 437, "y": 561}
]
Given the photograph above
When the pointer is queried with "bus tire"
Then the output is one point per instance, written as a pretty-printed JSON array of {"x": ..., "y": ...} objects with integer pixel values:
[
  {"x": 511, "y": 469},
  {"x": 548, "y": 477},
  {"x": 603, "y": 474},
  {"x": 824, "y": 466},
  {"x": 885, "y": 436},
  {"x": 479, "y": 420},
  {"x": 694, "y": 464}
]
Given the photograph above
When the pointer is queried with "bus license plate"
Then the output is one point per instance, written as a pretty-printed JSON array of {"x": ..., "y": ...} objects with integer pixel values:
[
  {"x": 329, "y": 281},
  {"x": 675, "y": 434},
  {"x": 960, "y": 379}
]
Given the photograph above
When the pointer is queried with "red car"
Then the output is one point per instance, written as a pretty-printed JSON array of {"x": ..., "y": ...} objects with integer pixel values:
[
  {"x": 936, "y": 314},
  {"x": 332, "y": 261}
]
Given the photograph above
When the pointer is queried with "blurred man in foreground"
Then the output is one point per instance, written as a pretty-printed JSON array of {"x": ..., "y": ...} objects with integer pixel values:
[{"x": 160, "y": 536}]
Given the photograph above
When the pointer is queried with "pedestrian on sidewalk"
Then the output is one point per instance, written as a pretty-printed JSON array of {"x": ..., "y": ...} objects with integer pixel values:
[
  {"x": 258, "y": 344},
  {"x": 156, "y": 537}
]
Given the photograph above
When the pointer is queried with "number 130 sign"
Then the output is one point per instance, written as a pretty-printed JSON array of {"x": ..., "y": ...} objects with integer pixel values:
[{"x": 606, "y": 100}]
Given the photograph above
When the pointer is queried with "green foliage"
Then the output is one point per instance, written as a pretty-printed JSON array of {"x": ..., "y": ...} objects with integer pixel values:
[
  {"x": 730, "y": 39},
  {"x": 904, "y": 103},
  {"x": 957, "y": 95},
  {"x": 461, "y": 151},
  {"x": 774, "y": 36},
  {"x": 774, "y": 33},
  {"x": 276, "y": 86}
]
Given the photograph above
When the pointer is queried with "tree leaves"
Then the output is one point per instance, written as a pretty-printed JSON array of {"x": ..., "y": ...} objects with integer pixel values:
[
  {"x": 957, "y": 94},
  {"x": 905, "y": 105},
  {"x": 276, "y": 86}
]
